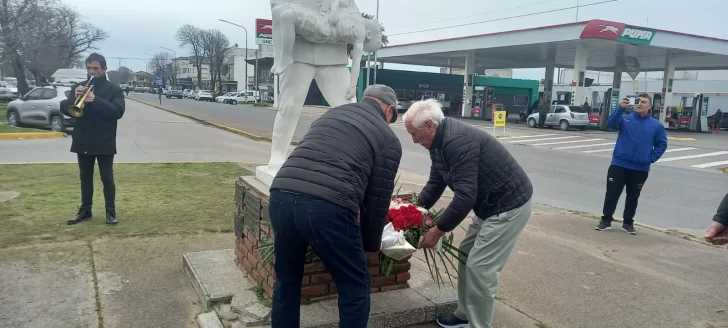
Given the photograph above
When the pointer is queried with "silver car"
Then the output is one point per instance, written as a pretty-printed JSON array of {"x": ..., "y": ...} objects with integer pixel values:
[
  {"x": 562, "y": 116},
  {"x": 41, "y": 107}
]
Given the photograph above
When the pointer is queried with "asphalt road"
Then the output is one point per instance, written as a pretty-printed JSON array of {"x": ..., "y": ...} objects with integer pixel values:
[{"x": 673, "y": 197}]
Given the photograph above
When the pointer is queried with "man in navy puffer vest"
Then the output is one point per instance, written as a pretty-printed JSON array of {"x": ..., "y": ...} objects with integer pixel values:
[{"x": 641, "y": 142}]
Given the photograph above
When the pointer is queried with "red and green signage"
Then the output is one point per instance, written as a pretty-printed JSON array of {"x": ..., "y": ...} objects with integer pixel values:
[{"x": 600, "y": 29}]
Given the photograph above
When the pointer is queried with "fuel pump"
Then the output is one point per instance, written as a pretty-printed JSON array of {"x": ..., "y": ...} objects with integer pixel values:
[{"x": 699, "y": 117}]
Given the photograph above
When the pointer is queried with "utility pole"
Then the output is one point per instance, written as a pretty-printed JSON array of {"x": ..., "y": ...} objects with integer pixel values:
[
  {"x": 246, "y": 50},
  {"x": 376, "y": 63}
]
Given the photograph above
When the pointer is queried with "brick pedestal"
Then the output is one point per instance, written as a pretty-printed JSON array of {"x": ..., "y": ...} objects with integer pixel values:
[{"x": 252, "y": 229}]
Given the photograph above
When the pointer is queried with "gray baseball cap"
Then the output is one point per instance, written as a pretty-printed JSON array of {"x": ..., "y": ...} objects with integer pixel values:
[{"x": 385, "y": 94}]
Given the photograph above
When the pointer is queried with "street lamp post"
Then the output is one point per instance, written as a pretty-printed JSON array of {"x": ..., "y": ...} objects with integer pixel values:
[
  {"x": 376, "y": 62},
  {"x": 174, "y": 65},
  {"x": 246, "y": 50}
]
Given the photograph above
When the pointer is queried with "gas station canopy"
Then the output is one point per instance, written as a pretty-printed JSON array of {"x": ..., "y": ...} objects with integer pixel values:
[{"x": 604, "y": 42}]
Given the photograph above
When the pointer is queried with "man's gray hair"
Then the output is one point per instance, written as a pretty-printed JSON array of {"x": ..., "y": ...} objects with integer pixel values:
[{"x": 423, "y": 111}]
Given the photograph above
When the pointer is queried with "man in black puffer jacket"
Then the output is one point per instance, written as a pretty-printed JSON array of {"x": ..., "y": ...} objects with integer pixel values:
[
  {"x": 487, "y": 180},
  {"x": 346, "y": 163},
  {"x": 94, "y": 136}
]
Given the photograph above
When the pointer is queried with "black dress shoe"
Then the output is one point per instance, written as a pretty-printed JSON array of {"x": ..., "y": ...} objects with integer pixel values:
[
  {"x": 83, "y": 215},
  {"x": 111, "y": 217}
]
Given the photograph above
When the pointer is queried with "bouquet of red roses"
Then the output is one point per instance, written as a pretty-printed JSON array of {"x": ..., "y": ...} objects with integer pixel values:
[{"x": 412, "y": 221}]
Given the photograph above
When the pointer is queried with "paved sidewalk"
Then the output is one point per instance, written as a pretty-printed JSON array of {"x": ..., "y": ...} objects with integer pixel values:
[{"x": 562, "y": 273}]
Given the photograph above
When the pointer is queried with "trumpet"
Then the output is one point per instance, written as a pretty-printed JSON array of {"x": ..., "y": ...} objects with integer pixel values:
[{"x": 76, "y": 110}]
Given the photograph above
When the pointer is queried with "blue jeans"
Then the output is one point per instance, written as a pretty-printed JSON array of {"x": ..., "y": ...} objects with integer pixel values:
[{"x": 300, "y": 220}]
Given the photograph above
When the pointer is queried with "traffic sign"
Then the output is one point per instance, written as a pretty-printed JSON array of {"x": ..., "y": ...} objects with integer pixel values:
[
  {"x": 159, "y": 80},
  {"x": 500, "y": 118}
]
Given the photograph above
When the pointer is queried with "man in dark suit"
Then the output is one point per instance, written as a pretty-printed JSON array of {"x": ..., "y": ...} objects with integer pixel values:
[{"x": 94, "y": 136}]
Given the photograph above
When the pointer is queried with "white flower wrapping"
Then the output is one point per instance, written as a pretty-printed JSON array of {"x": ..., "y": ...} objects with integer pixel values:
[{"x": 394, "y": 244}]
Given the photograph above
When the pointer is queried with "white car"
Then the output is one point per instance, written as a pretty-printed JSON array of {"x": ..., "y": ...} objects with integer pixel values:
[
  {"x": 562, "y": 116},
  {"x": 222, "y": 98},
  {"x": 186, "y": 93},
  {"x": 204, "y": 95},
  {"x": 241, "y": 97}
]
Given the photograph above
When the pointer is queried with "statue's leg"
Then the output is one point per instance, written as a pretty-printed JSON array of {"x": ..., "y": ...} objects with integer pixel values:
[
  {"x": 294, "y": 85},
  {"x": 286, "y": 37},
  {"x": 333, "y": 81}
]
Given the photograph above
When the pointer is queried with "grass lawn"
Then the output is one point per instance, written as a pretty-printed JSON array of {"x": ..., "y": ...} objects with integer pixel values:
[
  {"x": 3, "y": 112},
  {"x": 151, "y": 199},
  {"x": 4, "y": 128}
]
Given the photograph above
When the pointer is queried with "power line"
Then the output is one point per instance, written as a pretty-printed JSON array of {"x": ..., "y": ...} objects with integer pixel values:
[
  {"x": 504, "y": 18},
  {"x": 476, "y": 15}
]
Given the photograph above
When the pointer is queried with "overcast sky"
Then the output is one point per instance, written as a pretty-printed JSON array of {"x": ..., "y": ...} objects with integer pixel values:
[{"x": 136, "y": 27}]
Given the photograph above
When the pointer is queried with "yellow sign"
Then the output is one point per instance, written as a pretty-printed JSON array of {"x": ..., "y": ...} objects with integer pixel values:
[{"x": 500, "y": 118}]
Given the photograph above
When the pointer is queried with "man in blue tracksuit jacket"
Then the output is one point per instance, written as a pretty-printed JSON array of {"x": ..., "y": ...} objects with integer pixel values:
[{"x": 641, "y": 142}]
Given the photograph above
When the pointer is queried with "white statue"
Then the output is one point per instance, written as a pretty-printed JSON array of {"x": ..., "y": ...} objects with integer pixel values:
[{"x": 310, "y": 39}]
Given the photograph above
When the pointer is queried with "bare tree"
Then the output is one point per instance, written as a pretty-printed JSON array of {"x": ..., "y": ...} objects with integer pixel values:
[
  {"x": 192, "y": 37},
  {"x": 208, "y": 53},
  {"x": 216, "y": 47},
  {"x": 161, "y": 63},
  {"x": 124, "y": 74},
  {"x": 41, "y": 36}
]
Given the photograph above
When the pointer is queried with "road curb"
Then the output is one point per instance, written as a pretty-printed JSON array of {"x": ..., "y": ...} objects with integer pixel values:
[
  {"x": 213, "y": 124},
  {"x": 31, "y": 135}
]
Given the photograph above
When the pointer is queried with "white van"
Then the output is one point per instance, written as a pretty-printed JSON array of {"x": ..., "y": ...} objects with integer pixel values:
[{"x": 69, "y": 76}]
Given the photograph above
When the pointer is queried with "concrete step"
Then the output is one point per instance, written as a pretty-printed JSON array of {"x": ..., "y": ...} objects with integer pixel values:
[
  {"x": 214, "y": 276},
  {"x": 217, "y": 279}
]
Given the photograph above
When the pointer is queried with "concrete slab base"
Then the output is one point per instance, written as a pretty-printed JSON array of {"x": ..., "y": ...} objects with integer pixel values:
[{"x": 216, "y": 278}]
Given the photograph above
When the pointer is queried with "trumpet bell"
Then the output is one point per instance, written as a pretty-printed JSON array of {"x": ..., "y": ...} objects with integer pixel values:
[{"x": 75, "y": 111}]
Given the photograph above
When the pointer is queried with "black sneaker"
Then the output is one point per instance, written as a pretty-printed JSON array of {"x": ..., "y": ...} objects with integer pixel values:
[
  {"x": 604, "y": 225},
  {"x": 451, "y": 321},
  {"x": 629, "y": 228}
]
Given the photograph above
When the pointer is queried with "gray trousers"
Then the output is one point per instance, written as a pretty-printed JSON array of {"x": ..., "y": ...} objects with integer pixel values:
[{"x": 489, "y": 244}]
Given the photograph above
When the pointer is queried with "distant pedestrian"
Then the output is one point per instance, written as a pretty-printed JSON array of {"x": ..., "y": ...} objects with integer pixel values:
[
  {"x": 346, "y": 163},
  {"x": 641, "y": 142},
  {"x": 543, "y": 110},
  {"x": 94, "y": 137},
  {"x": 718, "y": 118},
  {"x": 717, "y": 233}
]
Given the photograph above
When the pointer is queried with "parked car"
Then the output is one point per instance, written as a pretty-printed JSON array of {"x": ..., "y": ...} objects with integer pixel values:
[
  {"x": 235, "y": 98},
  {"x": 175, "y": 92},
  {"x": 6, "y": 94},
  {"x": 41, "y": 107},
  {"x": 186, "y": 93},
  {"x": 562, "y": 116},
  {"x": 444, "y": 104},
  {"x": 204, "y": 95},
  {"x": 403, "y": 105},
  {"x": 221, "y": 99},
  {"x": 723, "y": 121}
]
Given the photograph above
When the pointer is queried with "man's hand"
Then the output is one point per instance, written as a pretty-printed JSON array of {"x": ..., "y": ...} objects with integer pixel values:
[
  {"x": 625, "y": 103},
  {"x": 90, "y": 97},
  {"x": 80, "y": 90},
  {"x": 717, "y": 234},
  {"x": 431, "y": 237}
]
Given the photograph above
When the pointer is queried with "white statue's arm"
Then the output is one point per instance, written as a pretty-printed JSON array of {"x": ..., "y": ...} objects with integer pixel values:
[
  {"x": 355, "y": 69},
  {"x": 334, "y": 12}
]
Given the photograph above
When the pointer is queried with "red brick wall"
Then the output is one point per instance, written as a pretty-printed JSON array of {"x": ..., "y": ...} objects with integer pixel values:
[
  {"x": 317, "y": 283},
  {"x": 252, "y": 229}
]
